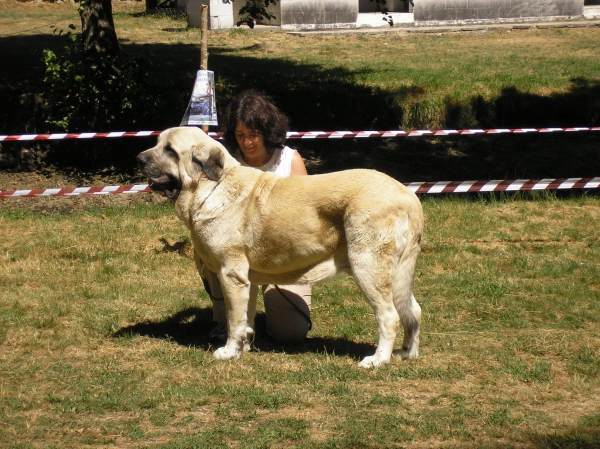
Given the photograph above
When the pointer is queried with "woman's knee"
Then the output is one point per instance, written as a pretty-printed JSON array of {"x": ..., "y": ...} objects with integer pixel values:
[{"x": 288, "y": 312}]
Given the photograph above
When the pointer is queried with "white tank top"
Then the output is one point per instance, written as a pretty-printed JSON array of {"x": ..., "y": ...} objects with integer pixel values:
[{"x": 280, "y": 163}]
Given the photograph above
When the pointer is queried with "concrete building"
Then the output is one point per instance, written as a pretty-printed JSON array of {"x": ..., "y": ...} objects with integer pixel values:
[
  {"x": 299, "y": 15},
  {"x": 433, "y": 12},
  {"x": 305, "y": 14}
]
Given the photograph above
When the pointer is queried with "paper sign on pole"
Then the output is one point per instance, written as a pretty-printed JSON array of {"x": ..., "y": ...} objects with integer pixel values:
[{"x": 202, "y": 109}]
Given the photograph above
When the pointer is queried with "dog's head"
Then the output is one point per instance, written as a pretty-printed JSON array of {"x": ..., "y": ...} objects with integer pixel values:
[{"x": 182, "y": 157}]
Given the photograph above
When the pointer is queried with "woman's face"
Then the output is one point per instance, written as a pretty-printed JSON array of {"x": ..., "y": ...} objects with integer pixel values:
[{"x": 252, "y": 145}]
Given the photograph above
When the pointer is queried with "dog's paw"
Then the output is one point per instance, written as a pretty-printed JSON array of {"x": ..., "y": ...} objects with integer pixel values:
[
  {"x": 249, "y": 341},
  {"x": 372, "y": 361},
  {"x": 226, "y": 353},
  {"x": 406, "y": 354}
]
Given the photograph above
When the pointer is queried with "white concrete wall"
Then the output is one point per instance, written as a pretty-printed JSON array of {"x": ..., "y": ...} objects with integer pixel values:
[
  {"x": 329, "y": 14},
  {"x": 429, "y": 12},
  {"x": 220, "y": 15},
  {"x": 318, "y": 14}
]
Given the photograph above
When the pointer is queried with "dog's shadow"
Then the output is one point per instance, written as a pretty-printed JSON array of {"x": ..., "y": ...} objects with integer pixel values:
[{"x": 192, "y": 326}]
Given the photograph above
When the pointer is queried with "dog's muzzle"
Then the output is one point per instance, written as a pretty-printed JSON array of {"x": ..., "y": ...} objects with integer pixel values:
[{"x": 161, "y": 183}]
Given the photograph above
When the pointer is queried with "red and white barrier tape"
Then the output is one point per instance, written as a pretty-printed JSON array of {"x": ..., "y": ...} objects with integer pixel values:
[
  {"x": 68, "y": 136},
  {"x": 425, "y": 133},
  {"x": 417, "y": 187},
  {"x": 504, "y": 185},
  {"x": 75, "y": 191},
  {"x": 308, "y": 134}
]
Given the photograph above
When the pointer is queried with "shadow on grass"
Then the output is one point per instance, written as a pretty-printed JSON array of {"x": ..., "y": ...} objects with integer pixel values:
[
  {"x": 528, "y": 156},
  {"x": 580, "y": 106},
  {"x": 584, "y": 436},
  {"x": 326, "y": 99},
  {"x": 190, "y": 327}
]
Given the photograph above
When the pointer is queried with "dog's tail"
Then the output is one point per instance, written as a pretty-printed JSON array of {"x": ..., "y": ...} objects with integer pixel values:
[{"x": 408, "y": 234}]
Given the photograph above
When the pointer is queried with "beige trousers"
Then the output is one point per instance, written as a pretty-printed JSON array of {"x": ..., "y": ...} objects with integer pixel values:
[{"x": 287, "y": 307}]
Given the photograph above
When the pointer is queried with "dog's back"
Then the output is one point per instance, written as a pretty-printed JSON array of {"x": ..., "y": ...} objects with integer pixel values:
[
  {"x": 358, "y": 220},
  {"x": 312, "y": 216}
]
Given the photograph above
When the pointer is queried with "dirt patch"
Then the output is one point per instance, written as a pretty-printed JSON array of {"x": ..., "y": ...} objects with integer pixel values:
[{"x": 65, "y": 205}]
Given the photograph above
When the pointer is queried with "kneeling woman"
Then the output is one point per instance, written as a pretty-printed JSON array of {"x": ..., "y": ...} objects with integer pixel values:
[{"x": 255, "y": 132}]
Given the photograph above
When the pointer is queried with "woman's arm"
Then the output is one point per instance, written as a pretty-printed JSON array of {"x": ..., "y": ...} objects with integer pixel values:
[{"x": 298, "y": 167}]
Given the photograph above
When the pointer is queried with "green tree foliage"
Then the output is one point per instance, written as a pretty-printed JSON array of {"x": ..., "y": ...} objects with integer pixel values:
[
  {"x": 255, "y": 10},
  {"x": 84, "y": 91}
]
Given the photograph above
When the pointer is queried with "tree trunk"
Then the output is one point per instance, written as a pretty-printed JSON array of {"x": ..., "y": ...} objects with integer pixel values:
[
  {"x": 151, "y": 5},
  {"x": 98, "y": 33}
]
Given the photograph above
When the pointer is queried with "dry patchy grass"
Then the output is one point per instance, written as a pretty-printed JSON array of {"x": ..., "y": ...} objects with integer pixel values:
[
  {"x": 104, "y": 339},
  {"x": 104, "y": 323}
]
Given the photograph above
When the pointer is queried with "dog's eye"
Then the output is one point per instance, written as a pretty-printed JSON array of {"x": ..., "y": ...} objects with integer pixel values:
[{"x": 169, "y": 149}]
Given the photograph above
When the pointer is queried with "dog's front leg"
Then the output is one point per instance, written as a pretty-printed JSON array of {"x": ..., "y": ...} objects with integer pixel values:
[
  {"x": 250, "y": 317},
  {"x": 236, "y": 289}
]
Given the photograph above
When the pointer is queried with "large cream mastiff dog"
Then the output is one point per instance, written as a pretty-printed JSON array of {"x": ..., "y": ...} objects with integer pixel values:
[{"x": 254, "y": 228}]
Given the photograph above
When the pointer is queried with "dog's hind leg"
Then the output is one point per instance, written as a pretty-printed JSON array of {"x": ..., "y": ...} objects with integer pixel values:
[
  {"x": 371, "y": 272},
  {"x": 410, "y": 316},
  {"x": 383, "y": 251},
  {"x": 406, "y": 305},
  {"x": 372, "y": 253},
  {"x": 380, "y": 297}
]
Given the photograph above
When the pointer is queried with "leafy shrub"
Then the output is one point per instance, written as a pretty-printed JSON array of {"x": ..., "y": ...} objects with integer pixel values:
[{"x": 84, "y": 93}]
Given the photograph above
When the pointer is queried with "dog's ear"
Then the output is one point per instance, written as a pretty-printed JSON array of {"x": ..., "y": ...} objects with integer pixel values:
[{"x": 210, "y": 159}]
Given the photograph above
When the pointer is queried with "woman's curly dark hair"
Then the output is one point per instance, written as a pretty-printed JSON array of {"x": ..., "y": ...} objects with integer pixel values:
[{"x": 258, "y": 113}]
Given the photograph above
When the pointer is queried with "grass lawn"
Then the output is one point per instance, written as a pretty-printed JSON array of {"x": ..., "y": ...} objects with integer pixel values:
[{"x": 104, "y": 323}]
